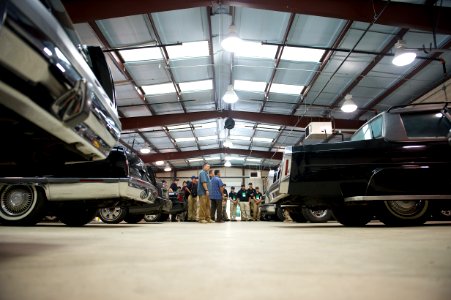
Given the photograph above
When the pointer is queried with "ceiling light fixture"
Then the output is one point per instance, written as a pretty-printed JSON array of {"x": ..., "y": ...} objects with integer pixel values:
[
  {"x": 403, "y": 56},
  {"x": 230, "y": 96},
  {"x": 145, "y": 150},
  {"x": 227, "y": 163},
  {"x": 348, "y": 106},
  {"x": 167, "y": 168},
  {"x": 232, "y": 41},
  {"x": 159, "y": 162}
]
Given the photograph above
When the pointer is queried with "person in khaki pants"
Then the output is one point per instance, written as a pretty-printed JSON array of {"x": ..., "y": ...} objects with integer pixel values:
[
  {"x": 204, "y": 195},
  {"x": 258, "y": 197},
  {"x": 233, "y": 203},
  {"x": 192, "y": 199},
  {"x": 244, "y": 204}
]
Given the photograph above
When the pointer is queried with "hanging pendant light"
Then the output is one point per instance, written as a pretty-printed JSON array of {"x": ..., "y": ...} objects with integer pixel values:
[
  {"x": 232, "y": 41},
  {"x": 227, "y": 163},
  {"x": 230, "y": 96},
  {"x": 403, "y": 56},
  {"x": 348, "y": 106}
]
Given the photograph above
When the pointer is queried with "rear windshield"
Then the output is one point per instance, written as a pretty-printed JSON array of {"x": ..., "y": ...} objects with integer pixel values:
[{"x": 428, "y": 124}]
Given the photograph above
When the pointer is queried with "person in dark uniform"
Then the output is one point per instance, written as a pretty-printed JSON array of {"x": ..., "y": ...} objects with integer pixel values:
[
  {"x": 258, "y": 197},
  {"x": 251, "y": 196},
  {"x": 244, "y": 203},
  {"x": 233, "y": 203}
]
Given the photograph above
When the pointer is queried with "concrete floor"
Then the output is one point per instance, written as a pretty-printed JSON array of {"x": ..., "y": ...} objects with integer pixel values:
[{"x": 253, "y": 260}]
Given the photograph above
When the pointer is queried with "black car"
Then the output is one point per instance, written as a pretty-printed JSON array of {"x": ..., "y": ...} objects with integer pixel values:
[{"x": 395, "y": 167}]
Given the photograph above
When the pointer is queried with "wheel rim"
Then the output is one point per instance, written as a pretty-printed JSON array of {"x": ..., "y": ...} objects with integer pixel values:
[
  {"x": 17, "y": 201},
  {"x": 111, "y": 213},
  {"x": 151, "y": 218},
  {"x": 407, "y": 209},
  {"x": 320, "y": 213}
]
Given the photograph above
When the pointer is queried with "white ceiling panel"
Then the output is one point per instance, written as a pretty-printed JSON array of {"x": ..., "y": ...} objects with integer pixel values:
[{"x": 148, "y": 73}]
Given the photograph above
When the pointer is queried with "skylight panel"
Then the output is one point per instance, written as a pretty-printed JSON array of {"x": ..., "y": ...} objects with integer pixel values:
[
  {"x": 302, "y": 54},
  {"x": 195, "y": 159},
  {"x": 234, "y": 158},
  {"x": 196, "y": 86},
  {"x": 158, "y": 89},
  {"x": 206, "y": 125},
  {"x": 286, "y": 89},
  {"x": 262, "y": 139},
  {"x": 187, "y": 139},
  {"x": 254, "y": 159},
  {"x": 250, "y": 86},
  {"x": 206, "y": 138},
  {"x": 141, "y": 54},
  {"x": 268, "y": 127},
  {"x": 239, "y": 137},
  {"x": 256, "y": 50},
  {"x": 187, "y": 50},
  {"x": 178, "y": 127}
]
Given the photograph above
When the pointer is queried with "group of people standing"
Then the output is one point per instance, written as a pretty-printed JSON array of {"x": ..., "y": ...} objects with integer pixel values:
[{"x": 213, "y": 198}]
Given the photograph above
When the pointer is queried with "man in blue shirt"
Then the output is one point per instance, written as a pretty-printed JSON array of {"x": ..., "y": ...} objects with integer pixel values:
[
  {"x": 217, "y": 192},
  {"x": 203, "y": 191}
]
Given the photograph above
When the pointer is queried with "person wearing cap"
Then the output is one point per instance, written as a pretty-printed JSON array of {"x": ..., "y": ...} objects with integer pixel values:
[
  {"x": 203, "y": 190},
  {"x": 244, "y": 203},
  {"x": 251, "y": 196},
  {"x": 191, "y": 195},
  {"x": 258, "y": 197},
  {"x": 233, "y": 203}
]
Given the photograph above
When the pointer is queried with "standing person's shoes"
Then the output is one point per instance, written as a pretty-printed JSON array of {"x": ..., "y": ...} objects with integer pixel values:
[
  {"x": 210, "y": 221},
  {"x": 203, "y": 222}
]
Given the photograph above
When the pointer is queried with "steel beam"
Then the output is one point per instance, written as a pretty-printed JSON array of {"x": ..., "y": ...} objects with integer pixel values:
[
  {"x": 150, "y": 158},
  {"x": 283, "y": 120},
  {"x": 398, "y": 14}
]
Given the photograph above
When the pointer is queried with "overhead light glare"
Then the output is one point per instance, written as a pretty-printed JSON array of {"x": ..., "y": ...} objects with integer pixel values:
[
  {"x": 254, "y": 159},
  {"x": 348, "y": 106},
  {"x": 167, "y": 168},
  {"x": 141, "y": 54},
  {"x": 158, "y": 89},
  {"x": 159, "y": 162},
  {"x": 227, "y": 164},
  {"x": 232, "y": 41},
  {"x": 228, "y": 143},
  {"x": 230, "y": 96},
  {"x": 262, "y": 139},
  {"x": 196, "y": 86},
  {"x": 403, "y": 56},
  {"x": 187, "y": 50},
  {"x": 286, "y": 89},
  {"x": 195, "y": 159},
  {"x": 145, "y": 150},
  {"x": 187, "y": 139},
  {"x": 302, "y": 54}
]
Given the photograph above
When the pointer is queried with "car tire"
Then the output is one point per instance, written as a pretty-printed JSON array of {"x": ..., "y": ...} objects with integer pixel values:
[
  {"x": 404, "y": 213},
  {"x": 76, "y": 216},
  {"x": 316, "y": 215},
  {"x": 297, "y": 216},
  {"x": 279, "y": 214},
  {"x": 112, "y": 215},
  {"x": 352, "y": 216},
  {"x": 133, "y": 219},
  {"x": 152, "y": 218},
  {"x": 21, "y": 204}
]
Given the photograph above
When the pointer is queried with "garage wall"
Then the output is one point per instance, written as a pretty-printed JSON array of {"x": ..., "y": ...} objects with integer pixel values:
[{"x": 230, "y": 176}]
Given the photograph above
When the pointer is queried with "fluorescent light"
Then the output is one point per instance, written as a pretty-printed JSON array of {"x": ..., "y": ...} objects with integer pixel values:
[
  {"x": 178, "y": 127},
  {"x": 403, "y": 56},
  {"x": 159, "y": 163},
  {"x": 145, "y": 150},
  {"x": 186, "y": 50},
  {"x": 227, "y": 163},
  {"x": 209, "y": 137},
  {"x": 262, "y": 139},
  {"x": 234, "y": 158},
  {"x": 268, "y": 127},
  {"x": 250, "y": 86},
  {"x": 256, "y": 50},
  {"x": 302, "y": 54},
  {"x": 230, "y": 96},
  {"x": 187, "y": 139},
  {"x": 196, "y": 85},
  {"x": 195, "y": 159},
  {"x": 158, "y": 89},
  {"x": 254, "y": 159},
  {"x": 141, "y": 54},
  {"x": 286, "y": 89},
  {"x": 232, "y": 41},
  {"x": 348, "y": 106}
]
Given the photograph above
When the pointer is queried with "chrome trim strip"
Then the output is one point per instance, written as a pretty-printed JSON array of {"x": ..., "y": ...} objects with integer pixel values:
[{"x": 397, "y": 198}]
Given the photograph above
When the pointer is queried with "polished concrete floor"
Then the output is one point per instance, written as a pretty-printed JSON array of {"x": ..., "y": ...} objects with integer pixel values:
[{"x": 253, "y": 260}]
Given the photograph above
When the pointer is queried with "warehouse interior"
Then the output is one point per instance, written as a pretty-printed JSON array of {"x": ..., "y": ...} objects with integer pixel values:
[{"x": 303, "y": 73}]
